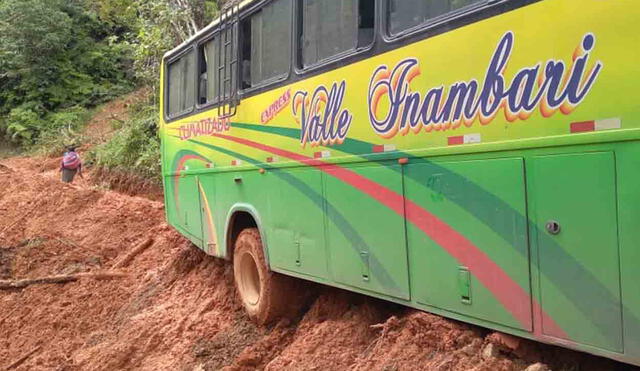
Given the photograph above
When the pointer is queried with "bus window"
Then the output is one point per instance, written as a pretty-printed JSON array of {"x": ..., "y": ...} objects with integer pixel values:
[
  {"x": 207, "y": 74},
  {"x": 330, "y": 28},
  {"x": 181, "y": 90},
  {"x": 407, "y": 14},
  {"x": 266, "y": 43},
  {"x": 366, "y": 21}
]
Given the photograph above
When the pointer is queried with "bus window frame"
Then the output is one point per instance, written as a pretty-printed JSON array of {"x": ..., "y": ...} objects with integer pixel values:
[
  {"x": 167, "y": 97},
  {"x": 454, "y": 19},
  {"x": 297, "y": 33},
  {"x": 381, "y": 44},
  {"x": 246, "y": 17},
  {"x": 200, "y": 44}
]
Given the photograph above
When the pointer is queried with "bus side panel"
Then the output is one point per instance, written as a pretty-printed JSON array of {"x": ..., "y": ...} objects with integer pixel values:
[
  {"x": 366, "y": 239},
  {"x": 628, "y": 163},
  {"x": 241, "y": 191},
  {"x": 574, "y": 228},
  {"x": 183, "y": 209},
  {"x": 213, "y": 245},
  {"x": 484, "y": 201},
  {"x": 296, "y": 223}
]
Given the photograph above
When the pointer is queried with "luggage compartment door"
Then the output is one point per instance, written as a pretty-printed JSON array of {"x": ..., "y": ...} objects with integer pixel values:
[
  {"x": 573, "y": 204},
  {"x": 484, "y": 201},
  {"x": 366, "y": 239},
  {"x": 189, "y": 213}
]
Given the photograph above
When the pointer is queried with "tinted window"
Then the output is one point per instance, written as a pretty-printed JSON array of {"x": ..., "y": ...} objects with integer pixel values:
[
  {"x": 218, "y": 51},
  {"x": 267, "y": 43},
  {"x": 181, "y": 89},
  {"x": 406, "y": 14},
  {"x": 329, "y": 28},
  {"x": 208, "y": 71}
]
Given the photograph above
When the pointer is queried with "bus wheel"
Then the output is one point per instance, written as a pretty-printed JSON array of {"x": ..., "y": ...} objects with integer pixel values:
[{"x": 266, "y": 296}]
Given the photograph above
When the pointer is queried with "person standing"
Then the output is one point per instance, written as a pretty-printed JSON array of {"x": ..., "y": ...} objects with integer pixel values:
[{"x": 70, "y": 165}]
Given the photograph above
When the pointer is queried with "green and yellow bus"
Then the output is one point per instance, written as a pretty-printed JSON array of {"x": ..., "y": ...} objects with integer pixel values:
[{"x": 477, "y": 159}]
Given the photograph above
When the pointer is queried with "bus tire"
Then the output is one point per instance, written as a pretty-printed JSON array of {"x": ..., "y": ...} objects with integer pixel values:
[{"x": 266, "y": 296}]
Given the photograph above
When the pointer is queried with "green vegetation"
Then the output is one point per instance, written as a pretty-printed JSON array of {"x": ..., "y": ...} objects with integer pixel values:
[
  {"x": 56, "y": 59},
  {"x": 154, "y": 27},
  {"x": 63, "y": 128},
  {"x": 61, "y": 58},
  {"x": 135, "y": 146}
]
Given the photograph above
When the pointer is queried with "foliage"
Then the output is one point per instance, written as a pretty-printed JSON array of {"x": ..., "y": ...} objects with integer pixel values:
[
  {"x": 61, "y": 58},
  {"x": 64, "y": 129},
  {"x": 160, "y": 25},
  {"x": 54, "y": 54},
  {"x": 134, "y": 147},
  {"x": 23, "y": 123}
]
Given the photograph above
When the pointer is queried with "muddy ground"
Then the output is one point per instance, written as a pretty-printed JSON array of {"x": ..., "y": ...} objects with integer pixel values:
[{"x": 174, "y": 308}]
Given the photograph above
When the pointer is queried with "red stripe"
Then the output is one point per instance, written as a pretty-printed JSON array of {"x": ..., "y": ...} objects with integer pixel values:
[
  {"x": 513, "y": 297},
  {"x": 454, "y": 141},
  {"x": 584, "y": 126},
  {"x": 176, "y": 179}
]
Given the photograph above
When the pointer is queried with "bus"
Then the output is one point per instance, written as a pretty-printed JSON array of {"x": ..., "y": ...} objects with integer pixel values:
[{"x": 476, "y": 159}]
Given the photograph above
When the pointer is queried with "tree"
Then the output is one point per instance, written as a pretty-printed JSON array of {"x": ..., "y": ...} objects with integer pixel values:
[
  {"x": 54, "y": 54},
  {"x": 156, "y": 26}
]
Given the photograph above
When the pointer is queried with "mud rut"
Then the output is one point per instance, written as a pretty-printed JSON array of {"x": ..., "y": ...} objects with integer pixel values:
[{"x": 174, "y": 308}]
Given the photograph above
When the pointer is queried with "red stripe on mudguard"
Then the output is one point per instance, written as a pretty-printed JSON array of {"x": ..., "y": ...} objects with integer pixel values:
[
  {"x": 492, "y": 276},
  {"x": 178, "y": 170}
]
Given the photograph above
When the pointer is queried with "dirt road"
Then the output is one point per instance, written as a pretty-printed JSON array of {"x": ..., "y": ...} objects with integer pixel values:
[{"x": 173, "y": 308}]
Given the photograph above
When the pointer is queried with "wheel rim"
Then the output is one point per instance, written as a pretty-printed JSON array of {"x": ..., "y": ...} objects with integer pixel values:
[{"x": 249, "y": 280}]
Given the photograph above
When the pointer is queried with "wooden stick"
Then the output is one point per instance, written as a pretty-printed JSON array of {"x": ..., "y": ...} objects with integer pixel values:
[
  {"x": 68, "y": 243},
  {"x": 23, "y": 358},
  {"x": 101, "y": 276},
  {"x": 139, "y": 249},
  {"x": 20, "y": 284}
]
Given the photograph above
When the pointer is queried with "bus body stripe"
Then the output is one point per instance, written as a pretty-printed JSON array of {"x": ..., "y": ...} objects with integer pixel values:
[
  {"x": 582, "y": 275},
  {"x": 350, "y": 233},
  {"x": 179, "y": 165},
  {"x": 492, "y": 276}
]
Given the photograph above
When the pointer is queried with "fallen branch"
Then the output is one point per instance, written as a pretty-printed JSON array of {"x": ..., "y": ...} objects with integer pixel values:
[
  {"x": 135, "y": 252},
  {"x": 20, "y": 284},
  {"x": 68, "y": 243},
  {"x": 23, "y": 358}
]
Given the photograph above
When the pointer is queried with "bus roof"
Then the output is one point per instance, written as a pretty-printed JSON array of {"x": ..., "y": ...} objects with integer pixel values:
[{"x": 240, "y": 3}]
